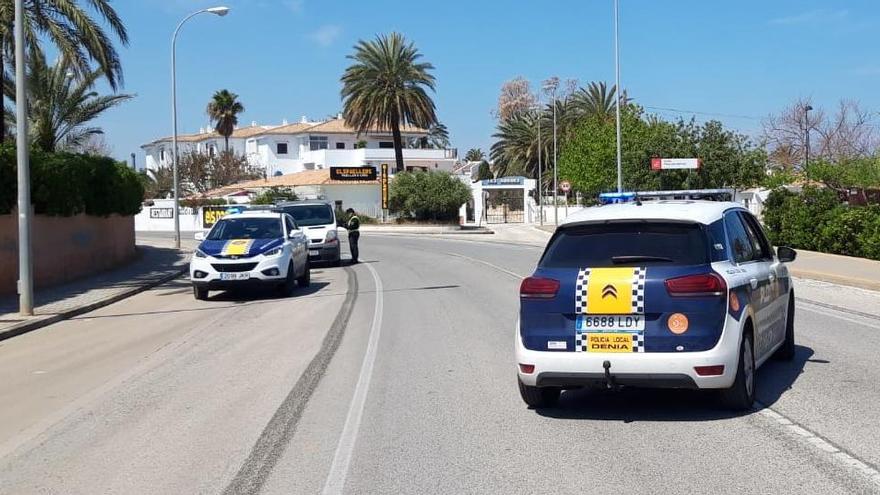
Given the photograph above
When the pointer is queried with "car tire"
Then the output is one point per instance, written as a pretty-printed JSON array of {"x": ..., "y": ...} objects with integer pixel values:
[
  {"x": 538, "y": 397},
  {"x": 289, "y": 285},
  {"x": 306, "y": 277},
  {"x": 786, "y": 351},
  {"x": 741, "y": 395},
  {"x": 201, "y": 294}
]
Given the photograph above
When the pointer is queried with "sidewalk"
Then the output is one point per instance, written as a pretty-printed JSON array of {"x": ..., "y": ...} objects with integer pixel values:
[{"x": 156, "y": 263}]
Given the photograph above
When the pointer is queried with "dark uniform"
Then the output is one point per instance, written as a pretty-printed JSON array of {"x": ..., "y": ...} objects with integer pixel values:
[{"x": 354, "y": 234}]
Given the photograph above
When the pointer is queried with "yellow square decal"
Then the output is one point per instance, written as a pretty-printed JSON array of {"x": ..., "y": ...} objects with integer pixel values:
[{"x": 609, "y": 291}]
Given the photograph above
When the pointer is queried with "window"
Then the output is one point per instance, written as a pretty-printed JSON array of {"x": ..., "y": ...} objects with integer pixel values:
[
  {"x": 340, "y": 146},
  {"x": 386, "y": 144},
  {"x": 245, "y": 228},
  {"x": 760, "y": 244},
  {"x": 280, "y": 148},
  {"x": 317, "y": 143},
  {"x": 161, "y": 154},
  {"x": 212, "y": 150},
  {"x": 290, "y": 223},
  {"x": 626, "y": 243},
  {"x": 740, "y": 244},
  {"x": 310, "y": 215}
]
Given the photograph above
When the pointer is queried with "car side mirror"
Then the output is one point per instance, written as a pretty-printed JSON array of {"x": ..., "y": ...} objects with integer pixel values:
[
  {"x": 786, "y": 254},
  {"x": 200, "y": 236},
  {"x": 294, "y": 232}
]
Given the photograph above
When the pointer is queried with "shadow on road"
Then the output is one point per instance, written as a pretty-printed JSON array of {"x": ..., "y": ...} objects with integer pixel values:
[{"x": 634, "y": 404}]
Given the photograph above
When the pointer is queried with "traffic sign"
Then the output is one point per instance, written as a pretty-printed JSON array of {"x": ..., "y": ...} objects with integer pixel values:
[
  {"x": 565, "y": 186},
  {"x": 674, "y": 163}
]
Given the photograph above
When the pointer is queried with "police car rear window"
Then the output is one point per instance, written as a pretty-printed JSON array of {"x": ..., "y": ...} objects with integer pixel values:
[{"x": 627, "y": 244}]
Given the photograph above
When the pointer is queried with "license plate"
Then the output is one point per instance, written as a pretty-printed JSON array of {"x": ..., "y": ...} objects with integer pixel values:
[
  {"x": 314, "y": 252},
  {"x": 235, "y": 276},
  {"x": 611, "y": 342},
  {"x": 610, "y": 323}
]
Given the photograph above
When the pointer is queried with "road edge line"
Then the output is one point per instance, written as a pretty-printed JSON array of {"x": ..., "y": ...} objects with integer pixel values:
[{"x": 335, "y": 483}]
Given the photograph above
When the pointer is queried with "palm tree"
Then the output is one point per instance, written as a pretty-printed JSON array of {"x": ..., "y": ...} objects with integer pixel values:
[
  {"x": 62, "y": 104},
  {"x": 76, "y": 36},
  {"x": 595, "y": 99},
  {"x": 385, "y": 88},
  {"x": 223, "y": 110},
  {"x": 475, "y": 155},
  {"x": 436, "y": 138},
  {"x": 516, "y": 150},
  {"x": 160, "y": 182}
]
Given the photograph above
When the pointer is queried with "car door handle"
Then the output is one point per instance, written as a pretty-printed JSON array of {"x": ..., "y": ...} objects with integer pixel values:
[
  {"x": 772, "y": 277},
  {"x": 754, "y": 283}
]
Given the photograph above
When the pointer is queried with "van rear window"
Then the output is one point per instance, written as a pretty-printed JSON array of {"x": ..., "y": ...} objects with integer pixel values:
[{"x": 626, "y": 244}]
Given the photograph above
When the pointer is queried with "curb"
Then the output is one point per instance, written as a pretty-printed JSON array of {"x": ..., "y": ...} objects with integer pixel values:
[
  {"x": 30, "y": 326},
  {"x": 861, "y": 283}
]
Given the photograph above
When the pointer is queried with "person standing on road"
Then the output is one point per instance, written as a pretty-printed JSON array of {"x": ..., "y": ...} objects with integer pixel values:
[{"x": 354, "y": 233}]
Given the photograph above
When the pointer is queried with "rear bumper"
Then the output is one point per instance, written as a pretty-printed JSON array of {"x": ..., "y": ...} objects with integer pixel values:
[
  {"x": 650, "y": 369},
  {"x": 324, "y": 253}
]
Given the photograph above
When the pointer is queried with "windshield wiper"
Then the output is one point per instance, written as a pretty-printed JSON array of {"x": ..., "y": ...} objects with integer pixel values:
[{"x": 619, "y": 260}]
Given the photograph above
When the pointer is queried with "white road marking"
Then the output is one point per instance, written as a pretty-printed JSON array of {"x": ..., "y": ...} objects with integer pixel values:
[
  {"x": 836, "y": 314},
  {"x": 335, "y": 483},
  {"x": 825, "y": 447},
  {"x": 475, "y": 260}
]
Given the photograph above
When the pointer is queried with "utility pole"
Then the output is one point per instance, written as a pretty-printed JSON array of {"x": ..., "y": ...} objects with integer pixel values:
[
  {"x": 807, "y": 135},
  {"x": 540, "y": 170},
  {"x": 25, "y": 264},
  {"x": 617, "y": 91}
]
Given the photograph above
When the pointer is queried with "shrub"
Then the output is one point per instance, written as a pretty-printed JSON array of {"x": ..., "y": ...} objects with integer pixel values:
[
  {"x": 273, "y": 195},
  {"x": 66, "y": 184},
  {"x": 433, "y": 195}
]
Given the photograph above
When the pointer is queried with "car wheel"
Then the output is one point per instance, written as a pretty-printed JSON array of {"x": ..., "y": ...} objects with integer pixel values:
[
  {"x": 306, "y": 277},
  {"x": 536, "y": 397},
  {"x": 741, "y": 395},
  {"x": 786, "y": 351},
  {"x": 289, "y": 284},
  {"x": 199, "y": 293}
]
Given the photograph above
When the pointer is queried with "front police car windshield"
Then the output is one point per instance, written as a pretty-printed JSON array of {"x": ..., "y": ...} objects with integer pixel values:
[
  {"x": 246, "y": 228},
  {"x": 309, "y": 215},
  {"x": 615, "y": 244}
]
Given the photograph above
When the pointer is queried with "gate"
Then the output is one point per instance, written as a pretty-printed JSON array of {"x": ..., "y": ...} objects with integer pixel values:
[{"x": 504, "y": 206}]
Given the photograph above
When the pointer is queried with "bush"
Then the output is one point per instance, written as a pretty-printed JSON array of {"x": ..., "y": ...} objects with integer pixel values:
[
  {"x": 273, "y": 195},
  {"x": 435, "y": 196},
  {"x": 196, "y": 203},
  {"x": 66, "y": 184},
  {"x": 816, "y": 220}
]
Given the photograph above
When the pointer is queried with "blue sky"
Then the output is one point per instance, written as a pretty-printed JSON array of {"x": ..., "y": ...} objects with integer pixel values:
[{"x": 738, "y": 59}]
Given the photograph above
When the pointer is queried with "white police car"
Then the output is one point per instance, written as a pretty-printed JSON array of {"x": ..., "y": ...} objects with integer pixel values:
[
  {"x": 250, "y": 248},
  {"x": 664, "y": 293}
]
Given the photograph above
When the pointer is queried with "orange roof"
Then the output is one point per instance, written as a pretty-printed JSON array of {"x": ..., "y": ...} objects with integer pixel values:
[
  {"x": 290, "y": 128},
  {"x": 338, "y": 126},
  {"x": 305, "y": 178}
]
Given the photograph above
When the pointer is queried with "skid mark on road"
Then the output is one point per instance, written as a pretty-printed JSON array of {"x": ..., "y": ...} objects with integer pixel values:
[
  {"x": 279, "y": 431},
  {"x": 345, "y": 448}
]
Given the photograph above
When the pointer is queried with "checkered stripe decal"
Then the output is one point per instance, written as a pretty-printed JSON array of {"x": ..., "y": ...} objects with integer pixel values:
[
  {"x": 580, "y": 291},
  {"x": 580, "y": 342},
  {"x": 638, "y": 291}
]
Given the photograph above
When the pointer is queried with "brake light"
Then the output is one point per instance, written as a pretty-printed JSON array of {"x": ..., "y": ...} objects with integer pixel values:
[
  {"x": 538, "y": 288},
  {"x": 704, "y": 284},
  {"x": 715, "y": 370}
]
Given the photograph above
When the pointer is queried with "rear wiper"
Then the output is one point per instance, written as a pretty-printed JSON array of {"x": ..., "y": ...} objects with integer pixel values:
[{"x": 619, "y": 260}]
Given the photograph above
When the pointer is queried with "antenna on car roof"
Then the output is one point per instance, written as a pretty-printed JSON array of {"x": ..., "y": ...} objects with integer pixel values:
[{"x": 637, "y": 199}]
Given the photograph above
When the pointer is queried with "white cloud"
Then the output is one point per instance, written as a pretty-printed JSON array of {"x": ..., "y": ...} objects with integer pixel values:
[
  {"x": 326, "y": 35},
  {"x": 811, "y": 16},
  {"x": 296, "y": 6}
]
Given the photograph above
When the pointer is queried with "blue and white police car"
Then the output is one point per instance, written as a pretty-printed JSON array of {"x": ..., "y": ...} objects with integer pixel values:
[
  {"x": 663, "y": 293},
  {"x": 250, "y": 248}
]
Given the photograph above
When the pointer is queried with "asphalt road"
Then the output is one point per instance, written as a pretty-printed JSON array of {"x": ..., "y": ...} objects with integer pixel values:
[{"x": 411, "y": 388}]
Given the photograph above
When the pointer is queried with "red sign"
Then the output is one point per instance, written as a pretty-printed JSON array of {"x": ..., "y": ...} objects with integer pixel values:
[{"x": 674, "y": 163}]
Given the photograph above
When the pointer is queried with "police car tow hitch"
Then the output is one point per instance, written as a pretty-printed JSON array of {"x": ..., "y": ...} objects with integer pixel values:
[{"x": 609, "y": 378}]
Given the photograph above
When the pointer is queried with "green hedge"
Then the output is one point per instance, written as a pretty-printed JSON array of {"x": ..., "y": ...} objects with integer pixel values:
[
  {"x": 434, "y": 195},
  {"x": 817, "y": 220},
  {"x": 66, "y": 184}
]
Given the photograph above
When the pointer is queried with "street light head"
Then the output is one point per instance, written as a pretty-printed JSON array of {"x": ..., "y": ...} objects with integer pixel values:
[
  {"x": 808, "y": 108},
  {"x": 221, "y": 11}
]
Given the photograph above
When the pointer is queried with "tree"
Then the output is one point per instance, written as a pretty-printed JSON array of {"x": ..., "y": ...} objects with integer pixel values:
[
  {"x": 433, "y": 195},
  {"x": 273, "y": 195},
  {"x": 436, "y": 138},
  {"x": 158, "y": 182},
  {"x": 67, "y": 26},
  {"x": 596, "y": 99},
  {"x": 484, "y": 172},
  {"x": 516, "y": 99},
  {"x": 61, "y": 106},
  {"x": 223, "y": 110},
  {"x": 200, "y": 173},
  {"x": 386, "y": 87},
  {"x": 474, "y": 155},
  {"x": 516, "y": 150}
]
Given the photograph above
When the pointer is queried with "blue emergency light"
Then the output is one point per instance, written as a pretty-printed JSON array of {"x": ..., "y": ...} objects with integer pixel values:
[
  {"x": 234, "y": 209},
  {"x": 616, "y": 197}
]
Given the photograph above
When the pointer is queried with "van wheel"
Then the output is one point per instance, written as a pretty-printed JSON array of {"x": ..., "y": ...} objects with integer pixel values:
[
  {"x": 306, "y": 277},
  {"x": 741, "y": 395},
  {"x": 536, "y": 397},
  {"x": 786, "y": 351},
  {"x": 199, "y": 293}
]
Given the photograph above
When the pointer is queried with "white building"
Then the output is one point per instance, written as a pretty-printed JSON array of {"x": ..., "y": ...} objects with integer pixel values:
[{"x": 290, "y": 148}]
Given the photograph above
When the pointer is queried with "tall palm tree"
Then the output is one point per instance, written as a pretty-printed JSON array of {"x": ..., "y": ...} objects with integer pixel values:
[
  {"x": 385, "y": 88},
  {"x": 69, "y": 27},
  {"x": 596, "y": 99},
  {"x": 223, "y": 110},
  {"x": 61, "y": 104},
  {"x": 474, "y": 155},
  {"x": 516, "y": 150}
]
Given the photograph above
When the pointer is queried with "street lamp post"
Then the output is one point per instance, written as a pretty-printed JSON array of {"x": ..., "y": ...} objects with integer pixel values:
[
  {"x": 25, "y": 266},
  {"x": 550, "y": 86},
  {"x": 617, "y": 91},
  {"x": 807, "y": 135},
  {"x": 220, "y": 11},
  {"x": 540, "y": 170}
]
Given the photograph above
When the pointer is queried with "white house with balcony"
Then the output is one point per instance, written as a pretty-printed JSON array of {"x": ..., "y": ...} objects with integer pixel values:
[{"x": 305, "y": 145}]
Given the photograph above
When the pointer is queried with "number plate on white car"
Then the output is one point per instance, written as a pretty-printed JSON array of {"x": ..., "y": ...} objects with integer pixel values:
[
  {"x": 610, "y": 323},
  {"x": 235, "y": 276},
  {"x": 314, "y": 252}
]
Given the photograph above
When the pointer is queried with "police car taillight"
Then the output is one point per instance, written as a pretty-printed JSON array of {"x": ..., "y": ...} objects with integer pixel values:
[
  {"x": 704, "y": 284},
  {"x": 538, "y": 288}
]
